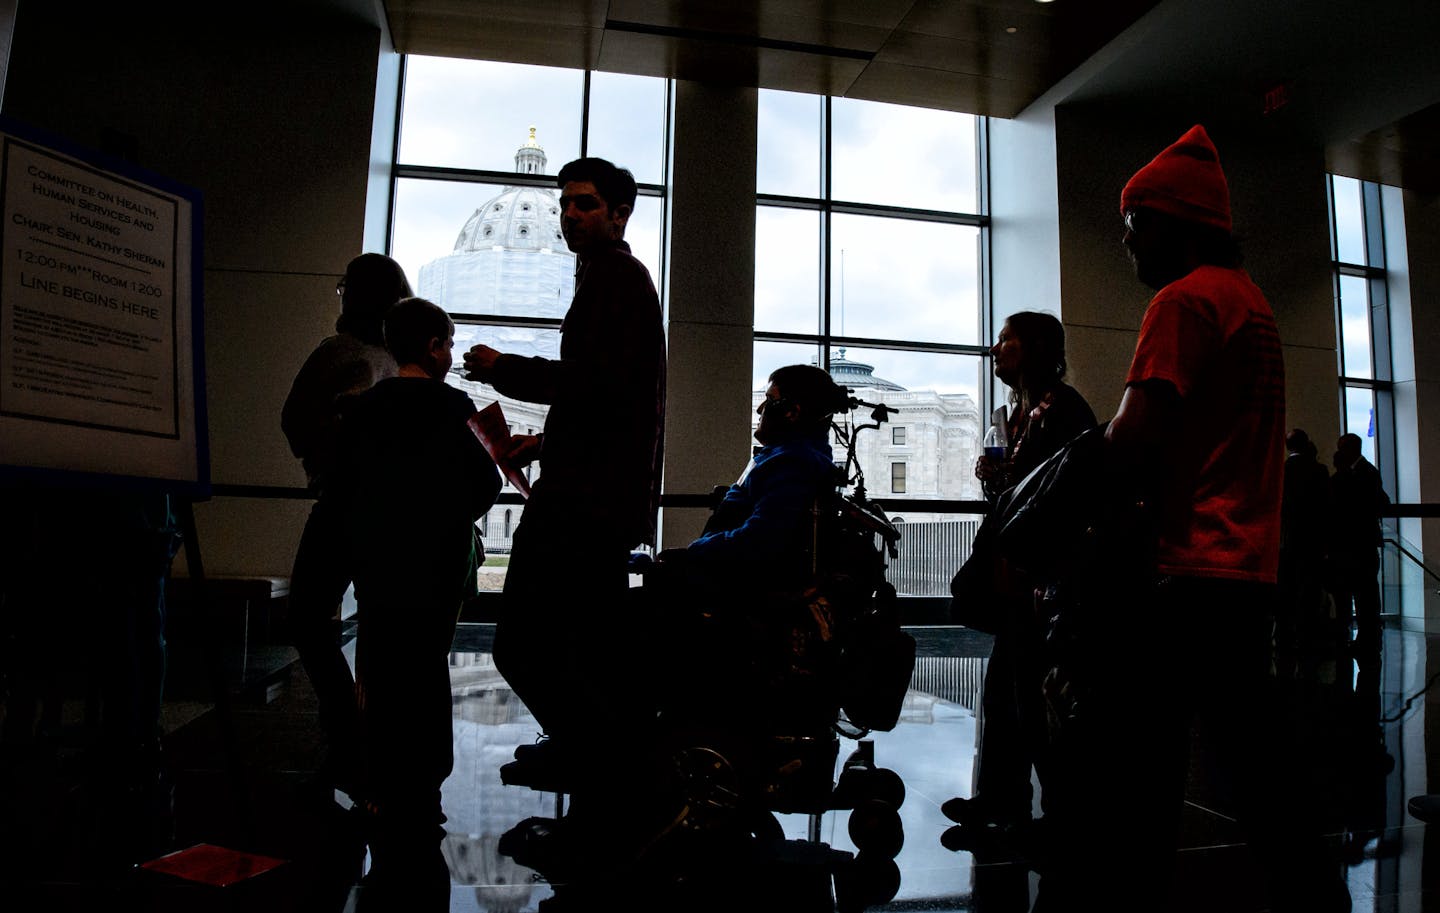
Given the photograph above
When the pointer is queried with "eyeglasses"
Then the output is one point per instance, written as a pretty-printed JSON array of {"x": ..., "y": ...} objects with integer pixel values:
[
  {"x": 1132, "y": 216},
  {"x": 779, "y": 401},
  {"x": 340, "y": 287}
]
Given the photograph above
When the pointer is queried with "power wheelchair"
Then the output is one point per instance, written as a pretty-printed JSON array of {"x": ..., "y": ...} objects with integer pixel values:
[{"x": 754, "y": 705}]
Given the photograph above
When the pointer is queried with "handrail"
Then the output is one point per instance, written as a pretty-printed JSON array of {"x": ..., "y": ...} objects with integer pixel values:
[
  {"x": 679, "y": 499},
  {"x": 1419, "y": 561},
  {"x": 1391, "y": 535},
  {"x": 1427, "y": 510}
]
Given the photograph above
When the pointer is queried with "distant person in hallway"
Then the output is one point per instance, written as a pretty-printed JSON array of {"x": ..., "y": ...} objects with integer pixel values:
[
  {"x": 597, "y": 493},
  {"x": 1044, "y": 413},
  {"x": 1357, "y": 499},
  {"x": 410, "y": 481},
  {"x": 1201, "y": 427},
  {"x": 1302, "y": 626},
  {"x": 349, "y": 362}
]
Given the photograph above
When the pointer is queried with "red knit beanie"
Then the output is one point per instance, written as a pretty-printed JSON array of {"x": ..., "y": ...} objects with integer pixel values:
[{"x": 1184, "y": 181}]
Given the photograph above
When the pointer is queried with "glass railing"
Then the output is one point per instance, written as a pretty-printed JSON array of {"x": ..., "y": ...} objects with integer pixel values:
[{"x": 1408, "y": 582}]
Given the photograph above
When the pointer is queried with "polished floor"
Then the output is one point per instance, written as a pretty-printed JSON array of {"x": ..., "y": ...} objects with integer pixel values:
[{"x": 239, "y": 778}]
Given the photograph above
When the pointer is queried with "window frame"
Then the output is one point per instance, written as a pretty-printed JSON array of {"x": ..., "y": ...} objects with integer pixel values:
[
  {"x": 899, "y": 473},
  {"x": 826, "y": 339},
  {"x": 399, "y": 171},
  {"x": 1374, "y": 271}
]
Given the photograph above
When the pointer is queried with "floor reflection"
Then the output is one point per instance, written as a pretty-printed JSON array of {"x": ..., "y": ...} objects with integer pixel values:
[
  {"x": 1360, "y": 763},
  {"x": 931, "y": 748},
  {"x": 245, "y": 782}
]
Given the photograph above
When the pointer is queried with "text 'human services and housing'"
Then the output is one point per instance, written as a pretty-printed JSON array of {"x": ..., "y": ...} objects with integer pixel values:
[{"x": 87, "y": 290}]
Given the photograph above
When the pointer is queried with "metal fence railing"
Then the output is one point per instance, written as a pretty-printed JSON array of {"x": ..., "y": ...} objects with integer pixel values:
[{"x": 931, "y": 551}]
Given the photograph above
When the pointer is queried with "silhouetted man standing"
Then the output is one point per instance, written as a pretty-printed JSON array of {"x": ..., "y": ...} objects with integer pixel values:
[
  {"x": 1304, "y": 515},
  {"x": 1356, "y": 499},
  {"x": 1202, "y": 421},
  {"x": 598, "y": 491}
]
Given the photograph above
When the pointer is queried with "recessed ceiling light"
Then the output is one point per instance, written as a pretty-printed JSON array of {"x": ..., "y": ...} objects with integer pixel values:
[
  {"x": 1043, "y": 1},
  {"x": 1010, "y": 29}
]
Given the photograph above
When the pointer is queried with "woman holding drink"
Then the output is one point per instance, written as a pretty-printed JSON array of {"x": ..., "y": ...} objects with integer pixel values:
[{"x": 1044, "y": 414}]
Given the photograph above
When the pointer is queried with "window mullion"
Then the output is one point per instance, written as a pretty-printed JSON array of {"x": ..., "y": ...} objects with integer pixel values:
[{"x": 826, "y": 162}]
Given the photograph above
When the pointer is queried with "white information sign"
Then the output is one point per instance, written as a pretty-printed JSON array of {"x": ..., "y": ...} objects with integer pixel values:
[{"x": 97, "y": 346}]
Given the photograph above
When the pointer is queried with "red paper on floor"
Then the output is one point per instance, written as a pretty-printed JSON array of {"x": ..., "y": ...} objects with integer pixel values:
[{"x": 213, "y": 865}]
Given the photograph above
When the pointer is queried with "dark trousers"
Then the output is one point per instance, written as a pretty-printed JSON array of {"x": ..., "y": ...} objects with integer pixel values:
[
  {"x": 403, "y": 677},
  {"x": 1197, "y": 649},
  {"x": 318, "y": 582},
  {"x": 1014, "y": 735},
  {"x": 577, "y": 653},
  {"x": 562, "y": 626},
  {"x": 1355, "y": 586}
]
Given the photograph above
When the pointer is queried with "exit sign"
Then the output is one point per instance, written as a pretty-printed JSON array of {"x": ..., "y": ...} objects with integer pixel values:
[{"x": 1277, "y": 97}]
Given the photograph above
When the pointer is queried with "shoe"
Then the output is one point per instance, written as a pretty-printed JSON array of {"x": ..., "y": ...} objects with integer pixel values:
[
  {"x": 546, "y": 765},
  {"x": 976, "y": 811},
  {"x": 1426, "y": 807},
  {"x": 981, "y": 840},
  {"x": 992, "y": 843},
  {"x": 539, "y": 844},
  {"x": 962, "y": 811}
]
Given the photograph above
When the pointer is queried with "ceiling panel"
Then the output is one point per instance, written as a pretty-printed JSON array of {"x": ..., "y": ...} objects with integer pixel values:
[
  {"x": 950, "y": 91},
  {"x": 707, "y": 61},
  {"x": 854, "y": 25},
  {"x": 970, "y": 57},
  {"x": 934, "y": 53},
  {"x": 1405, "y": 153}
]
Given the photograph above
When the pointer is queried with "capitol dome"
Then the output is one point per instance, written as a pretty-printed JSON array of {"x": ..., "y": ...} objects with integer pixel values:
[
  {"x": 520, "y": 218},
  {"x": 857, "y": 374},
  {"x": 509, "y": 260}
]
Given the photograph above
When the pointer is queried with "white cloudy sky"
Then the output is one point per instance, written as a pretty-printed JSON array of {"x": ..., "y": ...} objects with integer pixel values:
[{"x": 891, "y": 278}]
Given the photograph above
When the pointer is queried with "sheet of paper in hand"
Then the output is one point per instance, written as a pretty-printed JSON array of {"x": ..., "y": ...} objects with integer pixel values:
[{"x": 490, "y": 427}]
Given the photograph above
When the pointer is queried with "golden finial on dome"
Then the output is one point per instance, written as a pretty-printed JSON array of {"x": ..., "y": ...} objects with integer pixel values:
[{"x": 531, "y": 141}]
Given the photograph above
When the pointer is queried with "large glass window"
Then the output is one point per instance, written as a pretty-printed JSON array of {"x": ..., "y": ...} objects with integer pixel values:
[
  {"x": 869, "y": 252},
  {"x": 1357, "y": 250},
  {"x": 476, "y": 218}
]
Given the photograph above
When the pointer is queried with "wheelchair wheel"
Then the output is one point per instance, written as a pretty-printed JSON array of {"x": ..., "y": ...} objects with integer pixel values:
[
  {"x": 875, "y": 828},
  {"x": 856, "y": 784},
  {"x": 866, "y": 881},
  {"x": 708, "y": 786},
  {"x": 886, "y": 784}
]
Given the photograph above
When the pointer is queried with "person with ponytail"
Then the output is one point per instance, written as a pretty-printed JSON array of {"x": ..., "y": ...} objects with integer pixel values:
[{"x": 351, "y": 361}]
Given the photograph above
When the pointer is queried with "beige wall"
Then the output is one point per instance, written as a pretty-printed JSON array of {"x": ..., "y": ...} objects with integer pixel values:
[
  {"x": 273, "y": 127},
  {"x": 710, "y": 300},
  {"x": 1024, "y": 215},
  {"x": 1278, "y": 200},
  {"x": 1056, "y": 176},
  {"x": 1417, "y": 378}
]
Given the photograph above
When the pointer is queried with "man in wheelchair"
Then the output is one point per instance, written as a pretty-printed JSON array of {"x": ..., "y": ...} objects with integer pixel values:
[
  {"x": 743, "y": 602},
  {"x": 751, "y": 631}
]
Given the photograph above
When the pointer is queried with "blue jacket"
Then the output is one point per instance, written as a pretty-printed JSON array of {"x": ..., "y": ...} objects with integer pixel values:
[{"x": 764, "y": 526}]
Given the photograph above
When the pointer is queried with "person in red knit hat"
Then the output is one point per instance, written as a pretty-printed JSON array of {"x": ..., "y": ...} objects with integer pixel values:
[{"x": 1202, "y": 425}]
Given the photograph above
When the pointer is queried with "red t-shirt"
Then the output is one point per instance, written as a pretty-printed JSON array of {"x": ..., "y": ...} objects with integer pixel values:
[{"x": 1212, "y": 336}]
